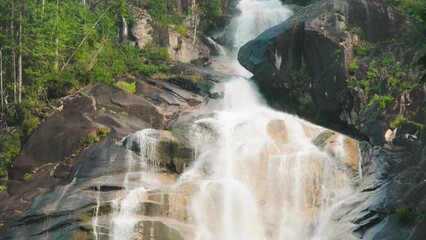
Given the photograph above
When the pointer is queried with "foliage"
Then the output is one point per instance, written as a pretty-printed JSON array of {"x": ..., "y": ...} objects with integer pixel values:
[
  {"x": 416, "y": 9},
  {"x": 159, "y": 11},
  {"x": 94, "y": 136},
  {"x": 363, "y": 48},
  {"x": 372, "y": 73},
  {"x": 10, "y": 147},
  {"x": 388, "y": 61},
  {"x": 359, "y": 31},
  {"x": 353, "y": 67},
  {"x": 2, "y": 188},
  {"x": 398, "y": 120},
  {"x": 27, "y": 176},
  {"x": 212, "y": 8},
  {"x": 382, "y": 100},
  {"x": 128, "y": 87},
  {"x": 405, "y": 214},
  {"x": 154, "y": 52}
]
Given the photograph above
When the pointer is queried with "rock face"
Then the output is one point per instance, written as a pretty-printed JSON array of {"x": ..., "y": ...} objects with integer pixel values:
[
  {"x": 181, "y": 45},
  {"x": 336, "y": 63},
  {"x": 76, "y": 159},
  {"x": 312, "y": 65}
]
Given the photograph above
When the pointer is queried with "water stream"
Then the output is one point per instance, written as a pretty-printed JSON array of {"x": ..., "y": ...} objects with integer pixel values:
[{"x": 257, "y": 173}]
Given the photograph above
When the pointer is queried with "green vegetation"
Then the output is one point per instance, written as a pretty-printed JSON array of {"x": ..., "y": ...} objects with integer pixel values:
[
  {"x": 128, "y": 87},
  {"x": 353, "y": 67},
  {"x": 212, "y": 8},
  {"x": 398, "y": 120},
  {"x": 9, "y": 149},
  {"x": 382, "y": 100},
  {"x": 3, "y": 188},
  {"x": 60, "y": 47},
  {"x": 358, "y": 31},
  {"x": 408, "y": 215},
  {"x": 404, "y": 214},
  {"x": 159, "y": 11},
  {"x": 27, "y": 176},
  {"x": 416, "y": 9},
  {"x": 363, "y": 48},
  {"x": 94, "y": 136}
]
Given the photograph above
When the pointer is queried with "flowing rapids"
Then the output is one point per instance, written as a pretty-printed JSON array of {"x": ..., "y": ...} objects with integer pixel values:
[{"x": 256, "y": 172}]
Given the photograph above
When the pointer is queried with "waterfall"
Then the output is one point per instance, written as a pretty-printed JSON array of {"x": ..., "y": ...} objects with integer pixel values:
[{"x": 257, "y": 173}]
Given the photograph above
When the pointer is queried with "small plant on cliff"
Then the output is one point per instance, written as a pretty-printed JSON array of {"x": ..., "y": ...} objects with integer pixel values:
[
  {"x": 405, "y": 214},
  {"x": 388, "y": 61},
  {"x": 27, "y": 176},
  {"x": 353, "y": 67},
  {"x": 9, "y": 150},
  {"x": 3, "y": 188},
  {"x": 94, "y": 136},
  {"x": 212, "y": 8},
  {"x": 358, "y": 31},
  {"x": 128, "y": 87},
  {"x": 363, "y": 48},
  {"x": 398, "y": 120},
  {"x": 382, "y": 100}
]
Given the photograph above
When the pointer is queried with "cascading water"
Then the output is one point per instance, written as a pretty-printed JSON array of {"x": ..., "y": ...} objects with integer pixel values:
[{"x": 257, "y": 174}]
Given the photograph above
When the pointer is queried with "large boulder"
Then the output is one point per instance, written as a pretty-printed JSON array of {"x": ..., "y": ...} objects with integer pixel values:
[{"x": 307, "y": 64}]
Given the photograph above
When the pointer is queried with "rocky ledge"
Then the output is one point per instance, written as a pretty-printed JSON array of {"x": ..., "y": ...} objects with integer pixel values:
[{"x": 350, "y": 65}]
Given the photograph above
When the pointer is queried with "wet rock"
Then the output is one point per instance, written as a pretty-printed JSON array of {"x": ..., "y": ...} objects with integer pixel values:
[{"x": 167, "y": 150}]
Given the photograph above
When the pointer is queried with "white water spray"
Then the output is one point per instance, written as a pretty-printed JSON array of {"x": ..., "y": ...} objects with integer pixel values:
[{"x": 257, "y": 172}]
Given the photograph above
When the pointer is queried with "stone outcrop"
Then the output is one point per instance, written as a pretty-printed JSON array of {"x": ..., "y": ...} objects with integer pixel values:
[
  {"x": 65, "y": 165},
  {"x": 313, "y": 65},
  {"x": 310, "y": 64}
]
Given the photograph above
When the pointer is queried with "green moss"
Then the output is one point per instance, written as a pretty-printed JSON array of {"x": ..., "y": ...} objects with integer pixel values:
[
  {"x": 398, "y": 120},
  {"x": 3, "y": 188},
  {"x": 128, "y": 87},
  {"x": 27, "y": 176}
]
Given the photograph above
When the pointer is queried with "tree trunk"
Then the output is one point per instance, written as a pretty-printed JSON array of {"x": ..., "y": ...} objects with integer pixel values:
[
  {"x": 56, "y": 66},
  {"x": 194, "y": 12},
  {"x": 1, "y": 80},
  {"x": 12, "y": 33},
  {"x": 20, "y": 60}
]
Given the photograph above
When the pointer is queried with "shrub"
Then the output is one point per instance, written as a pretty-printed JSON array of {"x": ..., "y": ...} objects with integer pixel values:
[
  {"x": 358, "y": 31},
  {"x": 364, "y": 48},
  {"x": 388, "y": 60},
  {"x": 27, "y": 176},
  {"x": 372, "y": 73},
  {"x": 405, "y": 214},
  {"x": 398, "y": 120},
  {"x": 3, "y": 188},
  {"x": 212, "y": 8},
  {"x": 128, "y": 87},
  {"x": 94, "y": 136},
  {"x": 154, "y": 52},
  {"x": 383, "y": 101},
  {"x": 353, "y": 67},
  {"x": 9, "y": 150}
]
